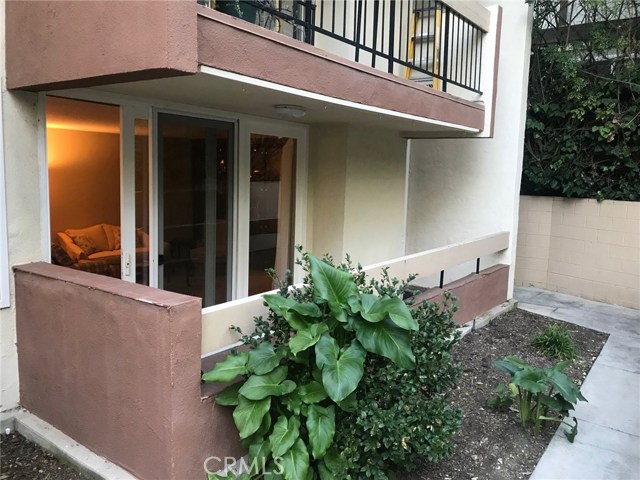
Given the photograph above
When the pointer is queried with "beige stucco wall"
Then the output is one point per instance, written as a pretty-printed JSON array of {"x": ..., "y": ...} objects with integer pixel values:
[
  {"x": 24, "y": 219},
  {"x": 461, "y": 189},
  {"x": 356, "y": 192},
  {"x": 582, "y": 247}
]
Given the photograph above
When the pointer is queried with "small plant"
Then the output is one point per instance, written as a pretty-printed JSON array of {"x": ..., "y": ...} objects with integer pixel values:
[
  {"x": 555, "y": 341},
  {"x": 538, "y": 391}
]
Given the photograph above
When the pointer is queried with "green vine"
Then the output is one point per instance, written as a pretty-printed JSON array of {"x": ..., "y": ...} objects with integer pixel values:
[{"x": 583, "y": 121}]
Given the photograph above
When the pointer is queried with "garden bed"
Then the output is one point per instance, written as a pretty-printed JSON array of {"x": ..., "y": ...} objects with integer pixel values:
[{"x": 492, "y": 445}]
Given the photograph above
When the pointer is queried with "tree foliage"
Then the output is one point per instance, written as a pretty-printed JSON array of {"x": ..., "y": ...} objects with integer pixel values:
[{"x": 583, "y": 122}]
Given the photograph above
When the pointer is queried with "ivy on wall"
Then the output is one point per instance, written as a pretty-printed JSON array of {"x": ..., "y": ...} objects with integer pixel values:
[{"x": 582, "y": 134}]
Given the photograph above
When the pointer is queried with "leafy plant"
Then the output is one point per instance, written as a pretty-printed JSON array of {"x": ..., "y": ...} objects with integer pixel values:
[
  {"x": 538, "y": 391},
  {"x": 404, "y": 416},
  {"x": 555, "y": 341},
  {"x": 582, "y": 135},
  {"x": 305, "y": 365}
]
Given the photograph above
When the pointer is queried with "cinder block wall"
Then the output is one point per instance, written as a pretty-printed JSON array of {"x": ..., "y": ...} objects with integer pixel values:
[{"x": 581, "y": 247}]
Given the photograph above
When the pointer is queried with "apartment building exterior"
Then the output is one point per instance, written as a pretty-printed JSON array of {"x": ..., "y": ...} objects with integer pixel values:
[{"x": 159, "y": 155}]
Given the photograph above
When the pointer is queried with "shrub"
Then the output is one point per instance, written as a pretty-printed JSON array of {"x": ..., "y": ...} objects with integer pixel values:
[
  {"x": 404, "y": 416},
  {"x": 555, "y": 341},
  {"x": 313, "y": 363}
]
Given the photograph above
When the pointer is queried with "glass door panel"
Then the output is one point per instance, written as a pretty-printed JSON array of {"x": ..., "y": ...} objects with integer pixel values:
[
  {"x": 195, "y": 207},
  {"x": 271, "y": 210},
  {"x": 141, "y": 155}
]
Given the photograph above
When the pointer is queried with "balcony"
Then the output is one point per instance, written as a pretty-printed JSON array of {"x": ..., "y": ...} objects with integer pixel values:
[
  {"x": 418, "y": 66},
  {"x": 427, "y": 41},
  {"x": 116, "y": 366}
]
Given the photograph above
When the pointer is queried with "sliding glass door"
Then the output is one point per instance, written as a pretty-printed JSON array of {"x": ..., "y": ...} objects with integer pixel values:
[{"x": 195, "y": 200}]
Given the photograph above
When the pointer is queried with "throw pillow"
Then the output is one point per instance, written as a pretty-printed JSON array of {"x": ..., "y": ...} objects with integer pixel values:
[
  {"x": 117, "y": 239},
  {"x": 86, "y": 244},
  {"x": 59, "y": 256}
]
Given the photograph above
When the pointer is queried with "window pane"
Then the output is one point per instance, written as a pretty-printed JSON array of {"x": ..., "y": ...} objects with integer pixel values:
[
  {"x": 195, "y": 214},
  {"x": 83, "y": 153},
  {"x": 272, "y": 207}
]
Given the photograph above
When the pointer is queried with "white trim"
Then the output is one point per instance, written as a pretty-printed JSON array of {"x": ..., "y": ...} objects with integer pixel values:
[
  {"x": 45, "y": 221},
  {"x": 332, "y": 100},
  {"x": 216, "y": 320},
  {"x": 5, "y": 294},
  {"x": 127, "y": 194}
]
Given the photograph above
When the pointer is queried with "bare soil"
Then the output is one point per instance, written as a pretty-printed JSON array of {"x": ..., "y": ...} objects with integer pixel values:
[
  {"x": 21, "y": 459},
  {"x": 491, "y": 445}
]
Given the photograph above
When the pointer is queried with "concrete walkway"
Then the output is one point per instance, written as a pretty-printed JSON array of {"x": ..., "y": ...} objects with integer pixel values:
[{"x": 608, "y": 442}]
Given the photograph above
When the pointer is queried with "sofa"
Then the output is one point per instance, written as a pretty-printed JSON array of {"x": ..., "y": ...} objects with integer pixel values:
[{"x": 95, "y": 249}]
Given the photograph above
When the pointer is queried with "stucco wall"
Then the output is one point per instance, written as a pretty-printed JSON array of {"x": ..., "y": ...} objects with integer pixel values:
[
  {"x": 465, "y": 188},
  {"x": 25, "y": 224},
  {"x": 357, "y": 192},
  {"x": 582, "y": 247},
  {"x": 116, "y": 367},
  {"x": 73, "y": 43}
]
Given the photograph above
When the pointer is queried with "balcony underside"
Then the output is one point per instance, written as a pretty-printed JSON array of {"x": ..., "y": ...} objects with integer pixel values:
[{"x": 213, "y": 60}]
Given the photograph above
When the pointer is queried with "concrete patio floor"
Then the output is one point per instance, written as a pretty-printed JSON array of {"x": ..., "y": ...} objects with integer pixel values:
[{"x": 608, "y": 442}]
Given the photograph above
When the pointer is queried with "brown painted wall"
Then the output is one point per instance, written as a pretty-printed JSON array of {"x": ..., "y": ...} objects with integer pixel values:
[
  {"x": 231, "y": 44},
  {"x": 62, "y": 43},
  {"x": 477, "y": 293},
  {"x": 116, "y": 366}
]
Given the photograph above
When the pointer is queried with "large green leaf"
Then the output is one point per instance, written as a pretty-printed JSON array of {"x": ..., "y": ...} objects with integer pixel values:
[
  {"x": 285, "y": 432},
  {"x": 341, "y": 371},
  {"x": 387, "y": 339},
  {"x": 298, "y": 315},
  {"x": 259, "y": 434},
  {"x": 399, "y": 313},
  {"x": 332, "y": 466},
  {"x": 296, "y": 462},
  {"x": 258, "y": 455},
  {"x": 327, "y": 350},
  {"x": 333, "y": 286},
  {"x": 228, "y": 369},
  {"x": 249, "y": 413},
  {"x": 264, "y": 358},
  {"x": 273, "y": 383},
  {"x": 307, "y": 337},
  {"x": 374, "y": 309},
  {"x": 530, "y": 379},
  {"x": 292, "y": 401},
  {"x": 321, "y": 425},
  {"x": 564, "y": 386},
  {"x": 350, "y": 403},
  {"x": 228, "y": 396},
  {"x": 312, "y": 392}
]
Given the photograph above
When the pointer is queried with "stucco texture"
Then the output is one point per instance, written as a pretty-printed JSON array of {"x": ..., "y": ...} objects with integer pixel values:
[{"x": 116, "y": 366}]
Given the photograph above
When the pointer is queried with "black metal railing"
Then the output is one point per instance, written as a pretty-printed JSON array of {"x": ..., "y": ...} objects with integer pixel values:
[{"x": 424, "y": 40}]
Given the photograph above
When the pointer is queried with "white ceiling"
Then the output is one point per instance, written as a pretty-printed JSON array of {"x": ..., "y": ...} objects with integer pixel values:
[{"x": 235, "y": 95}]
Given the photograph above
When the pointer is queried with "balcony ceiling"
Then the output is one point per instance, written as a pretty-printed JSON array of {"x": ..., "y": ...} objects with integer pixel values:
[{"x": 233, "y": 93}]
